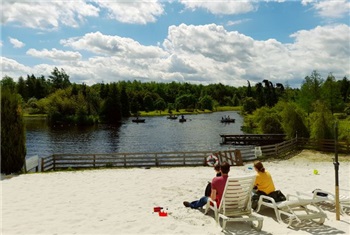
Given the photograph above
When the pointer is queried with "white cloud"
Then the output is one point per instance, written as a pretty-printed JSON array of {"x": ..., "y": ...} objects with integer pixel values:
[
  {"x": 108, "y": 45},
  {"x": 330, "y": 9},
  {"x": 55, "y": 55},
  {"x": 229, "y": 7},
  {"x": 133, "y": 11},
  {"x": 201, "y": 54},
  {"x": 46, "y": 15},
  {"x": 1, "y": 43},
  {"x": 12, "y": 68},
  {"x": 236, "y": 22},
  {"x": 16, "y": 43}
]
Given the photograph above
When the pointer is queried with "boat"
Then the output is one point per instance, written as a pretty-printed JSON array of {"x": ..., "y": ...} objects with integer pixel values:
[
  {"x": 182, "y": 120},
  {"x": 228, "y": 120},
  {"x": 137, "y": 120}
]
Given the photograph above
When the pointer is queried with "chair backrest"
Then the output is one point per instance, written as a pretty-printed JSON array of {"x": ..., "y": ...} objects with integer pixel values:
[{"x": 236, "y": 199}]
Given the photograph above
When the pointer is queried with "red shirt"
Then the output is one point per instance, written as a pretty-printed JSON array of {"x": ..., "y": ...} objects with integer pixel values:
[{"x": 218, "y": 183}]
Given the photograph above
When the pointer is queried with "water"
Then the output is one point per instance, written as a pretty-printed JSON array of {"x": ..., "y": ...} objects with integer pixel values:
[{"x": 158, "y": 134}]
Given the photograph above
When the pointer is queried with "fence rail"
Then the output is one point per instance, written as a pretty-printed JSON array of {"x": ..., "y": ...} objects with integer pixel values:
[{"x": 234, "y": 157}]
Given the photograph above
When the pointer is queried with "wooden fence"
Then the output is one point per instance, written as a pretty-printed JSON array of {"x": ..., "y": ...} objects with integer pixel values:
[
  {"x": 325, "y": 145},
  {"x": 235, "y": 157}
]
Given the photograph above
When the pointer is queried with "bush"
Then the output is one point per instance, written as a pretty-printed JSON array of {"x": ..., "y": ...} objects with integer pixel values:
[{"x": 13, "y": 148}]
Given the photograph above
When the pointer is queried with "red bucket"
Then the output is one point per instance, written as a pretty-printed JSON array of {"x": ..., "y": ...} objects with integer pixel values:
[
  {"x": 163, "y": 214},
  {"x": 157, "y": 209}
]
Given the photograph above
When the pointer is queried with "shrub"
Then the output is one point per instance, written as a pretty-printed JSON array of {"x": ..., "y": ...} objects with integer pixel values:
[{"x": 13, "y": 148}]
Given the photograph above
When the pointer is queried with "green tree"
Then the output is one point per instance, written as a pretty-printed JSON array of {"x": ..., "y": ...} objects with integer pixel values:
[
  {"x": 111, "y": 110},
  {"x": 310, "y": 91},
  {"x": 59, "y": 79},
  {"x": 322, "y": 122},
  {"x": 249, "y": 104},
  {"x": 8, "y": 84},
  {"x": 160, "y": 104},
  {"x": 293, "y": 119},
  {"x": 206, "y": 102},
  {"x": 13, "y": 148},
  {"x": 331, "y": 95},
  {"x": 124, "y": 100}
]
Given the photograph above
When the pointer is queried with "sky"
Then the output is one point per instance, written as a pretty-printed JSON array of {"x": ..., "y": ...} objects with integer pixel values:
[{"x": 199, "y": 42}]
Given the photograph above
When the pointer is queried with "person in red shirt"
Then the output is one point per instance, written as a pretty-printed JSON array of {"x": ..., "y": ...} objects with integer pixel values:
[
  {"x": 218, "y": 183},
  {"x": 217, "y": 189}
]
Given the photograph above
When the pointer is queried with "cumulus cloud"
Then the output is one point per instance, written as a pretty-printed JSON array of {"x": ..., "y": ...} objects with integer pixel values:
[
  {"x": 203, "y": 54},
  {"x": 229, "y": 7},
  {"x": 330, "y": 9},
  {"x": 55, "y": 55},
  {"x": 46, "y": 15},
  {"x": 14, "y": 69},
  {"x": 16, "y": 43},
  {"x": 133, "y": 11},
  {"x": 108, "y": 45}
]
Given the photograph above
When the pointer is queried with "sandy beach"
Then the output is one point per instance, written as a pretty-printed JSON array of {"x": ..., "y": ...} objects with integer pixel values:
[{"x": 121, "y": 201}]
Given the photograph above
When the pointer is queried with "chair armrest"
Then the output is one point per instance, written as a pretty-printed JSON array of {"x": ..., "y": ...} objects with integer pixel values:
[
  {"x": 268, "y": 199},
  {"x": 212, "y": 201}
]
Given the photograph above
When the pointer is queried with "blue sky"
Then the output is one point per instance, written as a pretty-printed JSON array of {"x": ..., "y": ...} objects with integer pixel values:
[{"x": 200, "y": 42}]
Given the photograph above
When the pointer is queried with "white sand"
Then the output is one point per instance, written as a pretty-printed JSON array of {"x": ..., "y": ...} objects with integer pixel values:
[{"x": 121, "y": 201}]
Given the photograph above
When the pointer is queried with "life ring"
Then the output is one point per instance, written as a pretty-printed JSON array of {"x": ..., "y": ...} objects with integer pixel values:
[{"x": 212, "y": 160}]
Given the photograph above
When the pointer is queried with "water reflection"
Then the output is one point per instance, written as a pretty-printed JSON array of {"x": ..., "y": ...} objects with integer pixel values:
[{"x": 157, "y": 134}]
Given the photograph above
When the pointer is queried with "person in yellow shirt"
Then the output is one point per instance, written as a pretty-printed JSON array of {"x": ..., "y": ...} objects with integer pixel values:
[{"x": 263, "y": 183}]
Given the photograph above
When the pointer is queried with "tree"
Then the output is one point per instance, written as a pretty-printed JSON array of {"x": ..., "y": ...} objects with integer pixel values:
[
  {"x": 322, "y": 122},
  {"x": 13, "y": 148},
  {"x": 206, "y": 102},
  {"x": 331, "y": 95},
  {"x": 59, "y": 79},
  {"x": 249, "y": 105},
  {"x": 124, "y": 100},
  {"x": 293, "y": 119},
  {"x": 8, "y": 84},
  {"x": 111, "y": 110},
  {"x": 310, "y": 91},
  {"x": 160, "y": 104}
]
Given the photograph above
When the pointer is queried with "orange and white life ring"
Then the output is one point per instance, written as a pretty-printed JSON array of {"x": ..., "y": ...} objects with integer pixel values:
[{"x": 212, "y": 160}]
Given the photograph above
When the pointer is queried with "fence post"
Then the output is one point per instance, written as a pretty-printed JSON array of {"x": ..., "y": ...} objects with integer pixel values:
[
  {"x": 54, "y": 162},
  {"x": 94, "y": 162},
  {"x": 156, "y": 159},
  {"x": 42, "y": 164}
]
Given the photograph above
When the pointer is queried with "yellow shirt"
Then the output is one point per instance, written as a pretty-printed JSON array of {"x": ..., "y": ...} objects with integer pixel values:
[{"x": 264, "y": 182}]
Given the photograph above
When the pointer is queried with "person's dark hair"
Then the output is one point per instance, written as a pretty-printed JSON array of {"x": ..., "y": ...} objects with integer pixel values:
[
  {"x": 259, "y": 166},
  {"x": 225, "y": 168},
  {"x": 217, "y": 167}
]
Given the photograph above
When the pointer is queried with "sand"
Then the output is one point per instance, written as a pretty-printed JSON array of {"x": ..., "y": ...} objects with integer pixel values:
[{"x": 121, "y": 201}]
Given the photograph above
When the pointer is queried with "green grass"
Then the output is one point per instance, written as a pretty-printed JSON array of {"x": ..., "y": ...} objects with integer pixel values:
[{"x": 184, "y": 111}]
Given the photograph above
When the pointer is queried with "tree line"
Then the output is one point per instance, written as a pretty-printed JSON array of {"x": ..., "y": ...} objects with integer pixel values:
[{"x": 308, "y": 111}]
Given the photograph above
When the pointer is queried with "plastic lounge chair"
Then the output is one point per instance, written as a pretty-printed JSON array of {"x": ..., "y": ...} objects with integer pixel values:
[
  {"x": 297, "y": 209},
  {"x": 326, "y": 196},
  {"x": 236, "y": 203}
]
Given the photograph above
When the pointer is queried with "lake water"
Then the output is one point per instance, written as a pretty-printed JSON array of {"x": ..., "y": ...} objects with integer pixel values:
[{"x": 158, "y": 134}]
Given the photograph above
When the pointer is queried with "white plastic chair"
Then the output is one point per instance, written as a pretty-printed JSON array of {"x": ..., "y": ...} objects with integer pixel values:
[
  {"x": 296, "y": 209},
  {"x": 235, "y": 204}
]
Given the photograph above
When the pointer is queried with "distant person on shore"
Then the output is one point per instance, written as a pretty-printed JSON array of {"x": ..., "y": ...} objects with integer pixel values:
[
  {"x": 263, "y": 183},
  {"x": 217, "y": 189}
]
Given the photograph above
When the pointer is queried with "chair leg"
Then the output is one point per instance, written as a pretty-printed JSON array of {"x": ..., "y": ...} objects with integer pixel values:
[{"x": 223, "y": 224}]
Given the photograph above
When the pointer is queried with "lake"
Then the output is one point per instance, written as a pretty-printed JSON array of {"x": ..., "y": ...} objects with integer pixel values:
[{"x": 158, "y": 134}]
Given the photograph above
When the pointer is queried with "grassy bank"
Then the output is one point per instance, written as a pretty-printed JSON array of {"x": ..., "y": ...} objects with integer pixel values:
[{"x": 186, "y": 111}]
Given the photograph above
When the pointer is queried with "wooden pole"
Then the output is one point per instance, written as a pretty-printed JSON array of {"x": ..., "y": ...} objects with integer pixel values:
[{"x": 336, "y": 168}]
